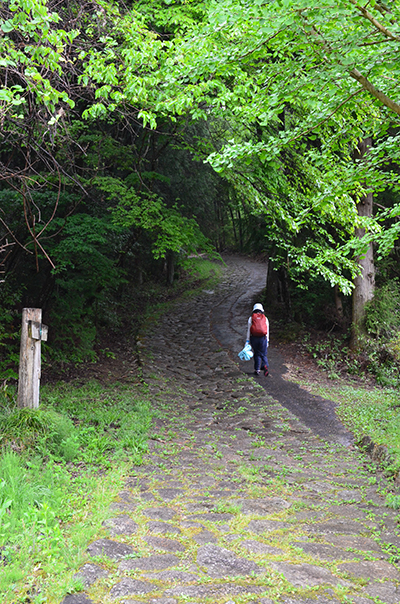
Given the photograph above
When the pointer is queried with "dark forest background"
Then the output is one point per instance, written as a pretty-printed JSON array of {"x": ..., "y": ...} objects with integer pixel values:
[{"x": 128, "y": 148}]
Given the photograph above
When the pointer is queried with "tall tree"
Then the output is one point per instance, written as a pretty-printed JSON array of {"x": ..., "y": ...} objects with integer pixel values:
[
  {"x": 292, "y": 86},
  {"x": 364, "y": 283},
  {"x": 76, "y": 81},
  {"x": 331, "y": 70}
]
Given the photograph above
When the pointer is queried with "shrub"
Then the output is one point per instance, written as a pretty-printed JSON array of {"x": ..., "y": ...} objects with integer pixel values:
[
  {"x": 382, "y": 321},
  {"x": 382, "y": 316},
  {"x": 42, "y": 429}
]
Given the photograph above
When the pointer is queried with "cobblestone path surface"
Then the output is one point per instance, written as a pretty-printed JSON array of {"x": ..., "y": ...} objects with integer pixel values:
[{"x": 238, "y": 500}]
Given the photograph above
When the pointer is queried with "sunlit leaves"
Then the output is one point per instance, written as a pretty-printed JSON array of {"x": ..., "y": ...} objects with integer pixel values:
[
  {"x": 168, "y": 229},
  {"x": 275, "y": 76},
  {"x": 285, "y": 70}
]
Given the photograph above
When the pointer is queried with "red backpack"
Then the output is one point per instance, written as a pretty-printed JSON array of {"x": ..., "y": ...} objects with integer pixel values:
[{"x": 258, "y": 326}]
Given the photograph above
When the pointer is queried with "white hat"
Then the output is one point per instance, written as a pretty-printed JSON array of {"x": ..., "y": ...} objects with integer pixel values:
[{"x": 258, "y": 307}]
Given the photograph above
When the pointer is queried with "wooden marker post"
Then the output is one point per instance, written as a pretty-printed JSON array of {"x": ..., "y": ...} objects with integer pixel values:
[{"x": 32, "y": 334}]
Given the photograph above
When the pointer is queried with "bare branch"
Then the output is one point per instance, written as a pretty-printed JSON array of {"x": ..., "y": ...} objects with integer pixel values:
[
  {"x": 5, "y": 225},
  {"x": 354, "y": 73},
  {"x": 374, "y": 22},
  {"x": 381, "y": 96}
]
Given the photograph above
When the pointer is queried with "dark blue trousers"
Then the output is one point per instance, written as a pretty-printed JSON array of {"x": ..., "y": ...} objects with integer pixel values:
[{"x": 259, "y": 346}]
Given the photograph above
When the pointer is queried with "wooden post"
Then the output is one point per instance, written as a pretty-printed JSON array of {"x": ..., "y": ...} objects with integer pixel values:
[{"x": 33, "y": 332}]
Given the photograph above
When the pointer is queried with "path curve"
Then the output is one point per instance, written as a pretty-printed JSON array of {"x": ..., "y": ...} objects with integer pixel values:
[
  {"x": 238, "y": 501},
  {"x": 229, "y": 321}
]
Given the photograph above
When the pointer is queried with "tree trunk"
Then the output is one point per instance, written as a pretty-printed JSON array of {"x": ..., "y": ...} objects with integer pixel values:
[
  {"x": 285, "y": 292},
  {"x": 338, "y": 303},
  {"x": 364, "y": 284},
  {"x": 233, "y": 226},
  {"x": 240, "y": 229},
  {"x": 170, "y": 265}
]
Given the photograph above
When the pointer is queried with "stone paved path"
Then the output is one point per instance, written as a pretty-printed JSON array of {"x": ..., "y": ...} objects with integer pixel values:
[{"x": 238, "y": 501}]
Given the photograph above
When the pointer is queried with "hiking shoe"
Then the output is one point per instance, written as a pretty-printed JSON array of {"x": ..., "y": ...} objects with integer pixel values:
[
  {"x": 257, "y": 372},
  {"x": 266, "y": 372}
]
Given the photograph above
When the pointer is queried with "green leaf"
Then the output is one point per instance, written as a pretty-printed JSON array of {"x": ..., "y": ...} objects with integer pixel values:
[{"x": 7, "y": 26}]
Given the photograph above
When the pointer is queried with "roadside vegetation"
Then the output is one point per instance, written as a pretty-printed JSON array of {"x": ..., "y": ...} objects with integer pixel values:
[
  {"x": 60, "y": 468},
  {"x": 364, "y": 382},
  {"x": 377, "y": 356},
  {"x": 61, "y": 465},
  {"x": 370, "y": 412}
]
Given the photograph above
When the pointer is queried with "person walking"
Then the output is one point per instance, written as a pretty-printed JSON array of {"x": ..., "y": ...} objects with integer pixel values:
[{"x": 258, "y": 337}]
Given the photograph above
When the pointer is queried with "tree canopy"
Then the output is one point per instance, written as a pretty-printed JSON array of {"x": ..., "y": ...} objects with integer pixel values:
[{"x": 103, "y": 104}]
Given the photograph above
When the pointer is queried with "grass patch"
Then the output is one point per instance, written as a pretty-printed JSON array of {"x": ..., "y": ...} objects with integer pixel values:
[
  {"x": 61, "y": 466},
  {"x": 197, "y": 273},
  {"x": 373, "y": 412},
  {"x": 203, "y": 269},
  {"x": 90, "y": 424}
]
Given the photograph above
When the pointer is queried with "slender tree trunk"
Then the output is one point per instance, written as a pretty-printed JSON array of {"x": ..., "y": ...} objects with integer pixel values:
[
  {"x": 222, "y": 225},
  {"x": 233, "y": 225},
  {"x": 272, "y": 289},
  {"x": 240, "y": 229},
  {"x": 170, "y": 262},
  {"x": 364, "y": 284},
  {"x": 285, "y": 292},
  {"x": 338, "y": 303}
]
